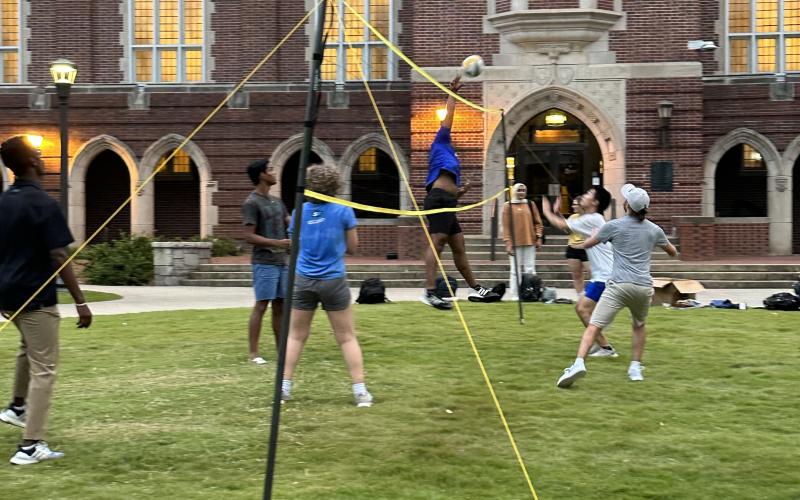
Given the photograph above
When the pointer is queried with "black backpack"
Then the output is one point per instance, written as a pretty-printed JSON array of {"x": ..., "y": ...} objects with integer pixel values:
[
  {"x": 441, "y": 287},
  {"x": 783, "y": 302},
  {"x": 372, "y": 291},
  {"x": 531, "y": 288}
]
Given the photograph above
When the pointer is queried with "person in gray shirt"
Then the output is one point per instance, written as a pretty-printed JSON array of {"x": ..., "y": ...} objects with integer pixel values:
[
  {"x": 633, "y": 238},
  {"x": 265, "y": 220}
]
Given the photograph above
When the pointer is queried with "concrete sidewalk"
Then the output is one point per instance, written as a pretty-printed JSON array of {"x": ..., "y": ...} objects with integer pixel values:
[{"x": 136, "y": 299}]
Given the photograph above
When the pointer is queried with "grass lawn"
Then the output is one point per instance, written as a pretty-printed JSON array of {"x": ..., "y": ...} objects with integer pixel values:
[
  {"x": 65, "y": 298},
  {"x": 164, "y": 405}
]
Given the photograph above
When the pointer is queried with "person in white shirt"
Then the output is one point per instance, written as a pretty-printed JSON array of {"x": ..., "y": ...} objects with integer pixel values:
[{"x": 594, "y": 202}]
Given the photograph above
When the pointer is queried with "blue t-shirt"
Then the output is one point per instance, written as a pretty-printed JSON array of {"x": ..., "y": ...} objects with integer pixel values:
[
  {"x": 442, "y": 157},
  {"x": 323, "y": 241}
]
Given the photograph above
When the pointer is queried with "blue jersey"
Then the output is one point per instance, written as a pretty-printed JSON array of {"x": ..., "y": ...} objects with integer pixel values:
[
  {"x": 323, "y": 241},
  {"x": 442, "y": 157}
]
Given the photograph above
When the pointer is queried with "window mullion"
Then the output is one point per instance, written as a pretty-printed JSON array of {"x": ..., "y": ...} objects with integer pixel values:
[
  {"x": 780, "y": 46},
  {"x": 180, "y": 70}
]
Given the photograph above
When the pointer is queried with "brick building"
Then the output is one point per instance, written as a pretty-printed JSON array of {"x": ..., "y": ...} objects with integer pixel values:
[{"x": 581, "y": 83}]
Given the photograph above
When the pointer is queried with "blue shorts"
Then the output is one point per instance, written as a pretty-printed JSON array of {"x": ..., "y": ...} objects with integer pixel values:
[
  {"x": 269, "y": 281},
  {"x": 594, "y": 289}
]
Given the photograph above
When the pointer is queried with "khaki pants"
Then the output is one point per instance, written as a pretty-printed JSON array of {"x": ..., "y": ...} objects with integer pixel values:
[
  {"x": 36, "y": 366},
  {"x": 618, "y": 296}
]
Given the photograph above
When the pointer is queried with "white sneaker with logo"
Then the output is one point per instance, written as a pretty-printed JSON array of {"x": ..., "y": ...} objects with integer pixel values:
[
  {"x": 35, "y": 453},
  {"x": 10, "y": 416},
  {"x": 364, "y": 400}
]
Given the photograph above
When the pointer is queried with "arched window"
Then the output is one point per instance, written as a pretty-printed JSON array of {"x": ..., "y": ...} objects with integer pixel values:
[
  {"x": 374, "y": 180},
  {"x": 289, "y": 177},
  {"x": 177, "y": 197},
  {"x": 740, "y": 185}
]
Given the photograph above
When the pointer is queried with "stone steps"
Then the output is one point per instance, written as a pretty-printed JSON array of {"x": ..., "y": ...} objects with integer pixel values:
[{"x": 552, "y": 274}]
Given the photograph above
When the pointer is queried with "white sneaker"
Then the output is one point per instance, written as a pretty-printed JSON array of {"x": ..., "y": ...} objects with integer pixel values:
[
  {"x": 259, "y": 360},
  {"x": 570, "y": 375},
  {"x": 635, "y": 373},
  {"x": 601, "y": 352},
  {"x": 9, "y": 416},
  {"x": 364, "y": 400},
  {"x": 34, "y": 454}
]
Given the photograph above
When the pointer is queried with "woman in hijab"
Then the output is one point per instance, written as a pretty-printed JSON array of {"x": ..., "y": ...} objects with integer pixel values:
[{"x": 528, "y": 230}]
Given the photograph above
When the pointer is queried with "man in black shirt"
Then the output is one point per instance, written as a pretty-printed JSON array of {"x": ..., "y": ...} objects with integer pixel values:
[{"x": 33, "y": 244}]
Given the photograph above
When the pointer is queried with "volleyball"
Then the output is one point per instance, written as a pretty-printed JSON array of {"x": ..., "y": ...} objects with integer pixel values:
[{"x": 472, "y": 66}]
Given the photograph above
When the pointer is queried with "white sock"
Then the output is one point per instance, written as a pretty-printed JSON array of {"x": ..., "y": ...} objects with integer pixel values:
[
  {"x": 287, "y": 386},
  {"x": 578, "y": 363},
  {"x": 635, "y": 364},
  {"x": 359, "y": 388}
]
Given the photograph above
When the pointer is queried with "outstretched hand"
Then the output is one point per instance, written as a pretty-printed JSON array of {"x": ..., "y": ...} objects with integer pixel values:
[{"x": 456, "y": 84}]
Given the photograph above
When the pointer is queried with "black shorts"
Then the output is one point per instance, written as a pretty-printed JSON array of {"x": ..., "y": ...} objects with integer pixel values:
[
  {"x": 576, "y": 253},
  {"x": 444, "y": 223}
]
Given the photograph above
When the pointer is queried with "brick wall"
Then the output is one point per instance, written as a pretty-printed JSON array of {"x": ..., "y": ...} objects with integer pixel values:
[
  {"x": 702, "y": 239},
  {"x": 741, "y": 239},
  {"x": 686, "y": 142},
  {"x": 647, "y": 40},
  {"x": 438, "y": 44}
]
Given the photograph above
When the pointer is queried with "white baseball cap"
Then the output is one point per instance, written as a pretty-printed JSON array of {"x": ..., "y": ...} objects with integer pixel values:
[{"x": 637, "y": 198}]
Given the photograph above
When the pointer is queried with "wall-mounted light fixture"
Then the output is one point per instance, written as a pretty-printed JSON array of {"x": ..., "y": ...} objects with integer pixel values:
[{"x": 665, "y": 118}]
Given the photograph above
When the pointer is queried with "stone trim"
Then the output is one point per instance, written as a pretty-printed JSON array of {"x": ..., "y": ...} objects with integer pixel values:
[
  {"x": 607, "y": 134},
  {"x": 81, "y": 161},
  {"x": 174, "y": 261},
  {"x": 209, "y": 216},
  {"x": 779, "y": 203},
  {"x": 290, "y": 146},
  {"x": 357, "y": 147}
]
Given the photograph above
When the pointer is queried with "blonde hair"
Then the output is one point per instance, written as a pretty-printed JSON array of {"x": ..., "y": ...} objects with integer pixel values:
[{"x": 323, "y": 178}]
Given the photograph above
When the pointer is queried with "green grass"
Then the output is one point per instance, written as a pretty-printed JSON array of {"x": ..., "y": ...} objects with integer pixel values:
[
  {"x": 65, "y": 298},
  {"x": 164, "y": 405}
]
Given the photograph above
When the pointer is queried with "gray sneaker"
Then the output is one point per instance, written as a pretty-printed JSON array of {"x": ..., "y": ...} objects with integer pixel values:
[
  {"x": 364, "y": 400},
  {"x": 434, "y": 300},
  {"x": 285, "y": 396},
  {"x": 10, "y": 416},
  {"x": 601, "y": 352}
]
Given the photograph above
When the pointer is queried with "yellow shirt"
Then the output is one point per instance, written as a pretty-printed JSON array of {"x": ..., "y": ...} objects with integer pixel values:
[{"x": 575, "y": 238}]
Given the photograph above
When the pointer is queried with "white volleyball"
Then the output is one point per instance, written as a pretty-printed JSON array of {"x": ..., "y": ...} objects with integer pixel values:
[{"x": 472, "y": 66}]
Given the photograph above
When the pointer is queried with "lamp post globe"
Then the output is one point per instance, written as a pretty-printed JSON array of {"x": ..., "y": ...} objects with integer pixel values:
[{"x": 64, "y": 73}]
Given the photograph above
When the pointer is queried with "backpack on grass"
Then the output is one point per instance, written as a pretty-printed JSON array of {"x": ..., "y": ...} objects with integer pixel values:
[
  {"x": 531, "y": 288},
  {"x": 782, "y": 302},
  {"x": 372, "y": 291}
]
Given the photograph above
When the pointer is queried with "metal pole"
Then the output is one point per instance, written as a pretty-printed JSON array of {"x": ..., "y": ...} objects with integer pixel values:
[
  {"x": 310, "y": 120},
  {"x": 63, "y": 125},
  {"x": 509, "y": 194}
]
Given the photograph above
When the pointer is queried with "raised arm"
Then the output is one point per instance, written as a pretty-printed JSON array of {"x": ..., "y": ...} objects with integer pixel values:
[
  {"x": 455, "y": 86},
  {"x": 556, "y": 219}
]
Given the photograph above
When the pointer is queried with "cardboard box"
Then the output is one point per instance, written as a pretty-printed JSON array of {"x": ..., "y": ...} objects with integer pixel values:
[{"x": 669, "y": 291}]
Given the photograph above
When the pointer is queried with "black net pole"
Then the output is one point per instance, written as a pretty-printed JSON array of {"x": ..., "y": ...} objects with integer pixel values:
[
  {"x": 509, "y": 165},
  {"x": 310, "y": 121}
]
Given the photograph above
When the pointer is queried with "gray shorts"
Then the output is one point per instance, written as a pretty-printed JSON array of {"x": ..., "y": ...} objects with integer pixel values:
[
  {"x": 618, "y": 296},
  {"x": 309, "y": 292}
]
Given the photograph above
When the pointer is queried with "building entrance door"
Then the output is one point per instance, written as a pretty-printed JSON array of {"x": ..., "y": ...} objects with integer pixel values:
[{"x": 555, "y": 170}]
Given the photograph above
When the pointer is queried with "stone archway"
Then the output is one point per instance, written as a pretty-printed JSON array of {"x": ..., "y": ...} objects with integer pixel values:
[
  {"x": 788, "y": 179},
  {"x": 290, "y": 146},
  {"x": 150, "y": 161},
  {"x": 77, "y": 182},
  {"x": 609, "y": 138},
  {"x": 378, "y": 141},
  {"x": 779, "y": 202},
  {"x": 5, "y": 181}
]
